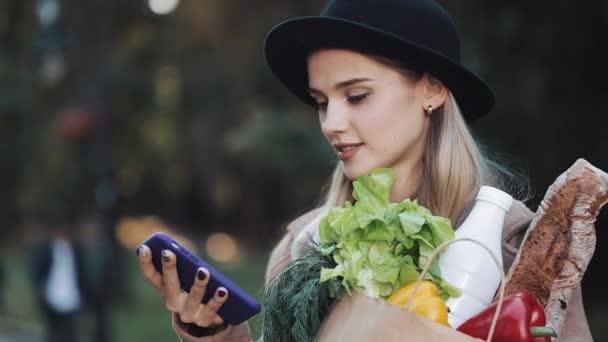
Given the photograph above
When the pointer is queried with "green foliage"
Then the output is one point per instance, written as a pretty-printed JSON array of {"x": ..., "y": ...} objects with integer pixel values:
[
  {"x": 380, "y": 246},
  {"x": 296, "y": 302}
]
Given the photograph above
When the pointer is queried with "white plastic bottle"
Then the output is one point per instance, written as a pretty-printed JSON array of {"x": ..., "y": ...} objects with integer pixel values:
[{"x": 468, "y": 266}]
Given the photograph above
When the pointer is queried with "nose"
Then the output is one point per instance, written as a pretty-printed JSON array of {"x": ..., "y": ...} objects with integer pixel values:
[{"x": 334, "y": 120}]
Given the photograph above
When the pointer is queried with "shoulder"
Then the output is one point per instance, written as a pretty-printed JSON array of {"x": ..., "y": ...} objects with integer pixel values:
[
  {"x": 283, "y": 252},
  {"x": 40, "y": 249},
  {"x": 297, "y": 225}
]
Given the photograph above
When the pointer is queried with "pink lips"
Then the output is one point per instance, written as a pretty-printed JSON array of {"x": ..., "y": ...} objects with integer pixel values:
[{"x": 346, "y": 151}]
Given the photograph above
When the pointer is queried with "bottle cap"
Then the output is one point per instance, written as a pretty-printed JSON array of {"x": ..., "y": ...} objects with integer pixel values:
[{"x": 495, "y": 196}]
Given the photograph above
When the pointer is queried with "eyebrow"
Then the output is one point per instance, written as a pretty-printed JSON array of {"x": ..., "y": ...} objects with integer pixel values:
[{"x": 343, "y": 84}]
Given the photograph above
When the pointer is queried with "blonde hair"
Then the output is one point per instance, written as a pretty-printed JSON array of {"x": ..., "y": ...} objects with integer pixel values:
[{"x": 452, "y": 171}]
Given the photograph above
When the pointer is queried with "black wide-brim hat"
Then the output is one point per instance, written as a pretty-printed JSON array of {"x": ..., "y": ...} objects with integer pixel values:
[{"x": 419, "y": 34}]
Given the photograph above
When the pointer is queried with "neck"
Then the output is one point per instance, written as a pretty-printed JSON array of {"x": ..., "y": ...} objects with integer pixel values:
[{"x": 406, "y": 183}]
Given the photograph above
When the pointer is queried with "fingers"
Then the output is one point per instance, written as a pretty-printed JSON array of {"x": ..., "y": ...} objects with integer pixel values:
[
  {"x": 197, "y": 313},
  {"x": 208, "y": 314},
  {"x": 174, "y": 298},
  {"x": 188, "y": 306},
  {"x": 192, "y": 305},
  {"x": 148, "y": 270}
]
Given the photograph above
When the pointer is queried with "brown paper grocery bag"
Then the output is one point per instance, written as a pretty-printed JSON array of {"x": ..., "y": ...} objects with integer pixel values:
[
  {"x": 361, "y": 318},
  {"x": 357, "y": 317}
]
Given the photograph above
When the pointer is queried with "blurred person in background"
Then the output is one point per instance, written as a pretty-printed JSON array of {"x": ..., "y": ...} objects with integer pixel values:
[
  {"x": 390, "y": 91},
  {"x": 59, "y": 276}
]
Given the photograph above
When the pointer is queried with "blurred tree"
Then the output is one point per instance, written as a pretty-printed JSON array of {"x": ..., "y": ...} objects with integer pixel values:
[{"x": 192, "y": 126}]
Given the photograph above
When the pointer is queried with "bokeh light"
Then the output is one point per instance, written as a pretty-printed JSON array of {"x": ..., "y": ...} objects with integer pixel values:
[
  {"x": 163, "y": 6},
  {"x": 222, "y": 247},
  {"x": 132, "y": 231}
]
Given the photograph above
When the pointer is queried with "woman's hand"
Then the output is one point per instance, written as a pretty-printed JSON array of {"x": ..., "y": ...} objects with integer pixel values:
[{"x": 187, "y": 305}]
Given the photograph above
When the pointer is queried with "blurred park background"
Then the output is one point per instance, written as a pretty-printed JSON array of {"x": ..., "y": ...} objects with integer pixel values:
[{"x": 160, "y": 115}]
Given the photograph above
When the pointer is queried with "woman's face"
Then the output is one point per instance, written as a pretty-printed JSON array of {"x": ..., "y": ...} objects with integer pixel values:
[{"x": 371, "y": 114}]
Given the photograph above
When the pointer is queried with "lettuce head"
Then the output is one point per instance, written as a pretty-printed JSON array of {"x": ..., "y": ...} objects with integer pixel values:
[{"x": 380, "y": 246}]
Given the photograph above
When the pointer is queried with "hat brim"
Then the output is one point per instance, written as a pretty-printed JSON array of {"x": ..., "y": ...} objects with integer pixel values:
[{"x": 288, "y": 45}]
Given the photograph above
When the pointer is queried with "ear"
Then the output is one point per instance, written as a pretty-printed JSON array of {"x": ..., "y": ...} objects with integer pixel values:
[{"x": 434, "y": 92}]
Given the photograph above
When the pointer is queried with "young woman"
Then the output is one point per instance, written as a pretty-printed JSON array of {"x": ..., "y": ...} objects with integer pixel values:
[{"x": 386, "y": 79}]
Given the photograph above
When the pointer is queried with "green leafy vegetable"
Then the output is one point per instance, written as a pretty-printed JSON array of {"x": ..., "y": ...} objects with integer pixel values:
[
  {"x": 298, "y": 301},
  {"x": 379, "y": 246}
]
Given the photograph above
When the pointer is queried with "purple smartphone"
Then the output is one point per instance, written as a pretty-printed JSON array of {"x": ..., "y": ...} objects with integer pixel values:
[{"x": 239, "y": 307}]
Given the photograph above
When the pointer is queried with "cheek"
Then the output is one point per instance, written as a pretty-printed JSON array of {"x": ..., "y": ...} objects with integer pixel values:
[
  {"x": 389, "y": 141},
  {"x": 321, "y": 120},
  {"x": 388, "y": 126},
  {"x": 382, "y": 135},
  {"x": 394, "y": 131},
  {"x": 389, "y": 121}
]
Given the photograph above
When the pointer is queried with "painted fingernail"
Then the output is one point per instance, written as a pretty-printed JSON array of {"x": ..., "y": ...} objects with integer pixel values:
[
  {"x": 166, "y": 256},
  {"x": 221, "y": 293},
  {"x": 142, "y": 251},
  {"x": 201, "y": 275}
]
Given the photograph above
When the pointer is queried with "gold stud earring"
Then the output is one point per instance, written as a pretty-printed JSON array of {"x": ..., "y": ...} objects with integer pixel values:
[{"x": 429, "y": 110}]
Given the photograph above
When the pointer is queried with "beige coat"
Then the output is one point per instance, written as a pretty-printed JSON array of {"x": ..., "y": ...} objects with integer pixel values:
[{"x": 517, "y": 220}]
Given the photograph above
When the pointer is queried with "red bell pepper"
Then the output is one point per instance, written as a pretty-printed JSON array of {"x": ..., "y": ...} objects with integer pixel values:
[{"x": 521, "y": 319}]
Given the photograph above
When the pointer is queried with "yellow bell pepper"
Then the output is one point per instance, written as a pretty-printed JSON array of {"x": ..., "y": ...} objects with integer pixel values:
[{"x": 426, "y": 301}]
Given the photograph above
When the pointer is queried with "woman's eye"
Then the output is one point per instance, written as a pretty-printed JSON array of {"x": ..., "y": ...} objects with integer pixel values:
[
  {"x": 322, "y": 106},
  {"x": 357, "y": 98}
]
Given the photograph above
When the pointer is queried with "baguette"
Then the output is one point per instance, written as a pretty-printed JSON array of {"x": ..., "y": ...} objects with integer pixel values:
[{"x": 560, "y": 240}]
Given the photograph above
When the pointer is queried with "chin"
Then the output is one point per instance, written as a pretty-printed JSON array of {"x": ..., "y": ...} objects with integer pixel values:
[{"x": 353, "y": 171}]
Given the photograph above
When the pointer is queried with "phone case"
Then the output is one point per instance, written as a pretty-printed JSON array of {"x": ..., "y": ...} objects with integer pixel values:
[{"x": 239, "y": 307}]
